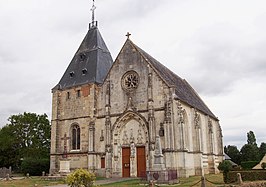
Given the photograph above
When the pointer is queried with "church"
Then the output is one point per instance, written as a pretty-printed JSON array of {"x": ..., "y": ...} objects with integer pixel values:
[{"x": 129, "y": 117}]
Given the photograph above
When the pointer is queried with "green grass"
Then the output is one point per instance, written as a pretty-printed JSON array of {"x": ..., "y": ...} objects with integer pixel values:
[
  {"x": 31, "y": 182},
  {"x": 130, "y": 182},
  {"x": 216, "y": 179}
]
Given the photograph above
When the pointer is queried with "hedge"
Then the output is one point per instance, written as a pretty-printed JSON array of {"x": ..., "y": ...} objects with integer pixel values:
[
  {"x": 251, "y": 175},
  {"x": 35, "y": 167},
  {"x": 249, "y": 164}
]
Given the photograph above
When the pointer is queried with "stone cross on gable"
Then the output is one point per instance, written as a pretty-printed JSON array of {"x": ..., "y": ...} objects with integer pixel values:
[
  {"x": 128, "y": 34},
  {"x": 65, "y": 138}
]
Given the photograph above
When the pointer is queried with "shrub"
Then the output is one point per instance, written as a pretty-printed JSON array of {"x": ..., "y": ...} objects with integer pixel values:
[
  {"x": 249, "y": 164},
  {"x": 80, "y": 177},
  {"x": 35, "y": 167},
  {"x": 225, "y": 166},
  {"x": 251, "y": 175},
  {"x": 263, "y": 165}
]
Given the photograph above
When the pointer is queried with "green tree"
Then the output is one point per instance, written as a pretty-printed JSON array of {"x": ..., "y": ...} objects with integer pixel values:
[
  {"x": 9, "y": 152},
  {"x": 262, "y": 150},
  {"x": 249, "y": 153},
  {"x": 251, "y": 138},
  {"x": 26, "y": 136},
  {"x": 32, "y": 132},
  {"x": 233, "y": 153}
]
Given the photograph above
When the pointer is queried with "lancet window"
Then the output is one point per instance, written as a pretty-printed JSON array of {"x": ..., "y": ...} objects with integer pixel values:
[{"x": 75, "y": 137}]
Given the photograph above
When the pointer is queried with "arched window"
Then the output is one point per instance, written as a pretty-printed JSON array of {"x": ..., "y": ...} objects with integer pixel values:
[{"x": 75, "y": 137}]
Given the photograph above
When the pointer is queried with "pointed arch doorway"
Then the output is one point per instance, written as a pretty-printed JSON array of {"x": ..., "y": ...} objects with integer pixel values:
[{"x": 130, "y": 146}]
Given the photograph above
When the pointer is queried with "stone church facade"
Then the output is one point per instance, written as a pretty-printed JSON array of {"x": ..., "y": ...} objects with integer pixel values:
[{"x": 106, "y": 116}]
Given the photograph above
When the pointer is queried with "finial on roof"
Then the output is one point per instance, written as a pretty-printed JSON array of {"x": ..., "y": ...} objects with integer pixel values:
[
  {"x": 127, "y": 35},
  {"x": 93, "y": 23}
]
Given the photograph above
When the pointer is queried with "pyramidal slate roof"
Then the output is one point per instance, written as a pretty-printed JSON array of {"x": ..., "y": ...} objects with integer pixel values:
[
  {"x": 183, "y": 90},
  {"x": 90, "y": 63}
]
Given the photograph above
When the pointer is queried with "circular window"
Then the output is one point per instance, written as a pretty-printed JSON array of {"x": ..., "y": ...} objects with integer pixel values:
[{"x": 130, "y": 80}]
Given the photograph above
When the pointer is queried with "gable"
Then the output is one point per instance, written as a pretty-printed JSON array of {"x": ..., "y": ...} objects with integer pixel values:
[{"x": 183, "y": 90}]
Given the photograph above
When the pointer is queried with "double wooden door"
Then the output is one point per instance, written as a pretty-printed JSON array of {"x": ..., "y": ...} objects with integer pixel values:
[{"x": 141, "y": 162}]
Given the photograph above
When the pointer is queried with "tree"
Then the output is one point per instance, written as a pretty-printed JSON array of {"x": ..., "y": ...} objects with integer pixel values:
[
  {"x": 233, "y": 153},
  {"x": 262, "y": 150},
  {"x": 249, "y": 153},
  {"x": 26, "y": 136},
  {"x": 9, "y": 152},
  {"x": 32, "y": 131},
  {"x": 251, "y": 138}
]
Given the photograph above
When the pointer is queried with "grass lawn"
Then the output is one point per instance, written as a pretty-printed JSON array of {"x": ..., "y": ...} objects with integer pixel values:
[
  {"x": 37, "y": 181},
  {"x": 31, "y": 182},
  {"x": 216, "y": 179}
]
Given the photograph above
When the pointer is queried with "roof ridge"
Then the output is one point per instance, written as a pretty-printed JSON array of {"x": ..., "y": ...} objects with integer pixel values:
[{"x": 143, "y": 54}]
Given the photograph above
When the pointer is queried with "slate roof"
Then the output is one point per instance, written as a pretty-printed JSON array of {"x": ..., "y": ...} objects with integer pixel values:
[
  {"x": 226, "y": 157},
  {"x": 183, "y": 90},
  {"x": 90, "y": 63}
]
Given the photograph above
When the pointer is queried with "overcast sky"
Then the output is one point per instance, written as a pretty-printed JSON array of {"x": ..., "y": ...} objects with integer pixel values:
[{"x": 218, "y": 46}]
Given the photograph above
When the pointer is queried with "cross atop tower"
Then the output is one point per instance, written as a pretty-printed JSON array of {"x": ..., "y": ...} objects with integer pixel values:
[
  {"x": 93, "y": 23},
  {"x": 127, "y": 35}
]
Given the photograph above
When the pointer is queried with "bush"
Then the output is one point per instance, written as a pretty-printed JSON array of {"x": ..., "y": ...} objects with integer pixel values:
[
  {"x": 80, "y": 177},
  {"x": 249, "y": 164},
  {"x": 263, "y": 165},
  {"x": 252, "y": 175},
  {"x": 35, "y": 167},
  {"x": 225, "y": 166}
]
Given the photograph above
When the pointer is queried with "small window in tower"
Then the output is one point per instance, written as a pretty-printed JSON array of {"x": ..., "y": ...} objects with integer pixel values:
[
  {"x": 82, "y": 56},
  {"x": 78, "y": 93},
  {"x": 68, "y": 95},
  {"x": 84, "y": 71},
  {"x": 71, "y": 74}
]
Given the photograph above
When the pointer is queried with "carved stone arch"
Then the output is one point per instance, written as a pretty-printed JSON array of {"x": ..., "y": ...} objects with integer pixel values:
[
  {"x": 127, "y": 116},
  {"x": 129, "y": 132}
]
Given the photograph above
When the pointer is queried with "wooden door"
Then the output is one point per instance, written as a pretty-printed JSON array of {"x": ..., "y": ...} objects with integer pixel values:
[
  {"x": 102, "y": 162},
  {"x": 141, "y": 162},
  {"x": 126, "y": 162}
]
